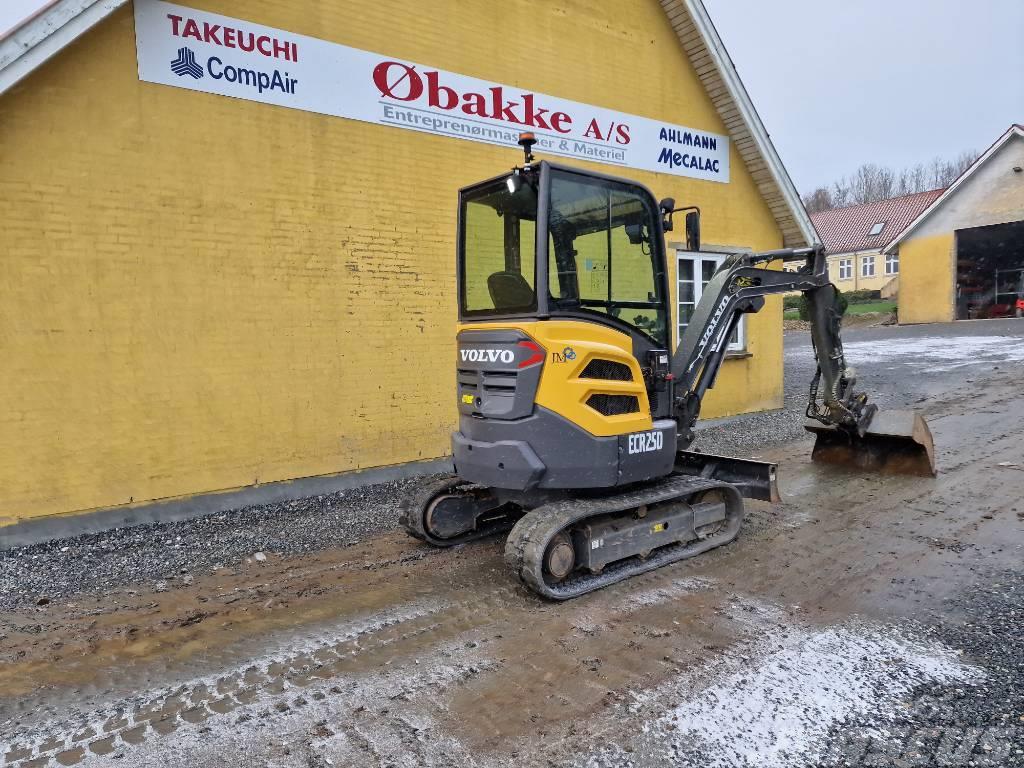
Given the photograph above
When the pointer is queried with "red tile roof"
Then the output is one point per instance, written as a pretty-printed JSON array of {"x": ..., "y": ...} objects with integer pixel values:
[{"x": 846, "y": 229}]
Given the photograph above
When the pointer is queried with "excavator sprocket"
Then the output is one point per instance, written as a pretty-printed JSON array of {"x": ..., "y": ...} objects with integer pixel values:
[
  {"x": 536, "y": 547},
  {"x": 448, "y": 511}
]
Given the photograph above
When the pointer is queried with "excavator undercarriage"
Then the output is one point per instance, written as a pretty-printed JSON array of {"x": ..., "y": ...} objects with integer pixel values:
[{"x": 575, "y": 419}]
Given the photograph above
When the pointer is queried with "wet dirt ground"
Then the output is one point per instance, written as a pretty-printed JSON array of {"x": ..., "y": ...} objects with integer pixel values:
[{"x": 862, "y": 621}]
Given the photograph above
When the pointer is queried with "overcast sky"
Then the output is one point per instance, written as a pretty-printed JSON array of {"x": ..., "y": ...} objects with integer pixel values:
[
  {"x": 13, "y": 12},
  {"x": 895, "y": 82},
  {"x": 842, "y": 82}
]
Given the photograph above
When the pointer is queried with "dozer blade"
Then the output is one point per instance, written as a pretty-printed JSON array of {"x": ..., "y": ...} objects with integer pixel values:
[
  {"x": 753, "y": 479},
  {"x": 895, "y": 442}
]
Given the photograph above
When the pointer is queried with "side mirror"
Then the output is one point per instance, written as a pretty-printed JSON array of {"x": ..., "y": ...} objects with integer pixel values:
[
  {"x": 666, "y": 207},
  {"x": 693, "y": 231}
]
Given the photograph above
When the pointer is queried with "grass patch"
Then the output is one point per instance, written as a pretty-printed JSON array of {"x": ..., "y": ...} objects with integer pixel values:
[
  {"x": 853, "y": 309},
  {"x": 871, "y": 306}
]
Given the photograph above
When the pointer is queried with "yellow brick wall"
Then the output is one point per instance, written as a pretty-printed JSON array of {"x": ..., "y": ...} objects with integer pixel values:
[
  {"x": 927, "y": 268},
  {"x": 200, "y": 293}
]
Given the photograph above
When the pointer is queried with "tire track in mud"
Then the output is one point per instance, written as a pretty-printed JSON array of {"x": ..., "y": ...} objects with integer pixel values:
[
  {"x": 366, "y": 648},
  {"x": 361, "y": 645},
  {"x": 773, "y": 712}
]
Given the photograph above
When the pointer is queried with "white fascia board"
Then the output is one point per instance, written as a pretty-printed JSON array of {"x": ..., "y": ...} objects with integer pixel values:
[
  {"x": 1014, "y": 130},
  {"x": 47, "y": 34},
  {"x": 741, "y": 98}
]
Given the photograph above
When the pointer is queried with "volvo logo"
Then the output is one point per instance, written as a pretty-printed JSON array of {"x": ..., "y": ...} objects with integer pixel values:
[
  {"x": 185, "y": 64},
  {"x": 487, "y": 355}
]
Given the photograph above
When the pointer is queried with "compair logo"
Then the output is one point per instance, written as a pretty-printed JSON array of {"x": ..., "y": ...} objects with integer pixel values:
[{"x": 185, "y": 64}]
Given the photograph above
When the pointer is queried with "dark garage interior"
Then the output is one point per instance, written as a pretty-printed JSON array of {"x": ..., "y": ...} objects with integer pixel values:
[{"x": 990, "y": 271}]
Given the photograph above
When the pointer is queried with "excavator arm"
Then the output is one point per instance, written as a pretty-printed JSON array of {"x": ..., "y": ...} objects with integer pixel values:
[{"x": 849, "y": 430}]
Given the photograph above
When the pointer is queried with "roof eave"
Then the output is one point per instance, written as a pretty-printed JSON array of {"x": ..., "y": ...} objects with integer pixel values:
[
  {"x": 46, "y": 34},
  {"x": 1013, "y": 130}
]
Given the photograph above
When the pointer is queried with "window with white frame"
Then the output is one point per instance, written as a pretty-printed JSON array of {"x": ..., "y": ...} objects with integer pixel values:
[
  {"x": 695, "y": 270},
  {"x": 867, "y": 266},
  {"x": 845, "y": 269},
  {"x": 892, "y": 263}
]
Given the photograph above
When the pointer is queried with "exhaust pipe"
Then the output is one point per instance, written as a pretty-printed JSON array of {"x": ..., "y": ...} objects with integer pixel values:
[{"x": 894, "y": 442}]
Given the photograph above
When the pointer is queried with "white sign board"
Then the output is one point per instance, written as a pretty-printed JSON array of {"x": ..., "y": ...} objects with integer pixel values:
[{"x": 205, "y": 52}]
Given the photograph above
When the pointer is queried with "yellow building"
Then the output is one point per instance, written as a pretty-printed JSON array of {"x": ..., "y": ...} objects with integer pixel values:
[
  {"x": 855, "y": 238},
  {"x": 208, "y": 301},
  {"x": 963, "y": 256}
]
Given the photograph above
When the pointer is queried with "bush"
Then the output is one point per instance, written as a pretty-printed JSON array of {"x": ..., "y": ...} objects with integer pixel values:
[
  {"x": 863, "y": 296},
  {"x": 792, "y": 302},
  {"x": 841, "y": 304}
]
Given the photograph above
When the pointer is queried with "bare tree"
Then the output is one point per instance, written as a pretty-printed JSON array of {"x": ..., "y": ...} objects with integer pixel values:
[
  {"x": 958, "y": 165},
  {"x": 871, "y": 183},
  {"x": 936, "y": 172},
  {"x": 911, "y": 179},
  {"x": 818, "y": 200},
  {"x": 840, "y": 194}
]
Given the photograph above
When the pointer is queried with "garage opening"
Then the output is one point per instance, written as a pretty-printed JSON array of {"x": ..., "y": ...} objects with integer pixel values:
[{"x": 990, "y": 271}]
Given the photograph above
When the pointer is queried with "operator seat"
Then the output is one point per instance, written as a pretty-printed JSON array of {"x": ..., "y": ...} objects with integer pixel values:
[{"x": 509, "y": 290}]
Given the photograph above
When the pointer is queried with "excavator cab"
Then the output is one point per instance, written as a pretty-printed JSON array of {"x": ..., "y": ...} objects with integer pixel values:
[
  {"x": 563, "y": 340},
  {"x": 550, "y": 241}
]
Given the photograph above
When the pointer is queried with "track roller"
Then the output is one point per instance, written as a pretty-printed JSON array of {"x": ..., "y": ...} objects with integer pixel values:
[{"x": 568, "y": 548}]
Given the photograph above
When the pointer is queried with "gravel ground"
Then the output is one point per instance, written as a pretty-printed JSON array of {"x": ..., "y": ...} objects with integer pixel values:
[
  {"x": 981, "y": 724},
  {"x": 173, "y": 552},
  {"x": 170, "y": 552}
]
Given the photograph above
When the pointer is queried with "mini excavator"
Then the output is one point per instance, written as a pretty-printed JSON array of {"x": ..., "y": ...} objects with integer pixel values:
[{"x": 575, "y": 415}]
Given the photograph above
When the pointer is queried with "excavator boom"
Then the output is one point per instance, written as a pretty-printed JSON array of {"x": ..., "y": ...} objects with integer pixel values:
[{"x": 850, "y": 431}]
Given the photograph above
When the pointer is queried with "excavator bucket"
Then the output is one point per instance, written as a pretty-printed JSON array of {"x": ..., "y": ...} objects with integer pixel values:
[{"x": 895, "y": 442}]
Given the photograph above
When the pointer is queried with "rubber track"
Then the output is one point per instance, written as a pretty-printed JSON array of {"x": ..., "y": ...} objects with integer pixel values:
[
  {"x": 412, "y": 514},
  {"x": 526, "y": 544}
]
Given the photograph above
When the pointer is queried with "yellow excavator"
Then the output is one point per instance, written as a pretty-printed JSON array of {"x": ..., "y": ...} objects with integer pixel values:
[{"x": 574, "y": 413}]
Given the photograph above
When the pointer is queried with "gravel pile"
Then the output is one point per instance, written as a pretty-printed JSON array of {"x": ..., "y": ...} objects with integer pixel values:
[{"x": 172, "y": 552}]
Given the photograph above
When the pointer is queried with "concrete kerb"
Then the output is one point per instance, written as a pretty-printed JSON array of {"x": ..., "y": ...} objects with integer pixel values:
[{"x": 52, "y": 527}]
